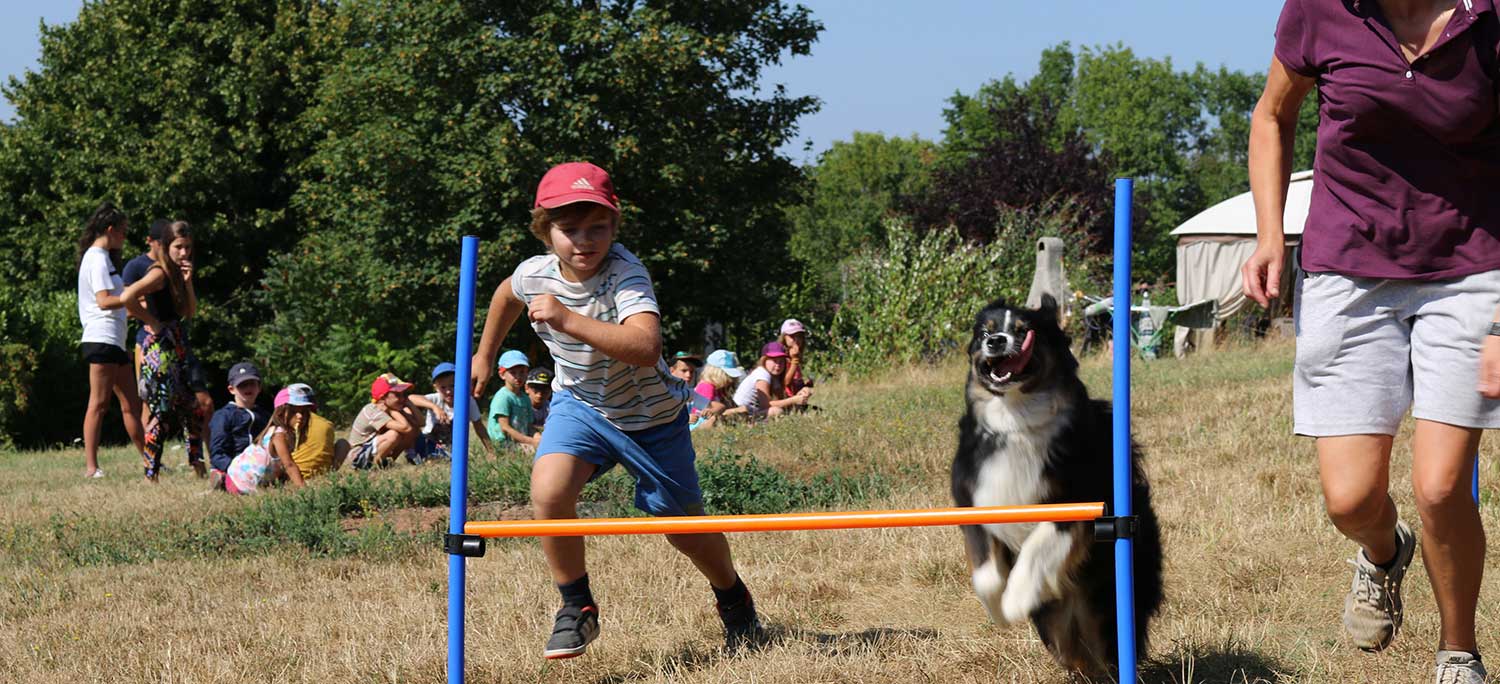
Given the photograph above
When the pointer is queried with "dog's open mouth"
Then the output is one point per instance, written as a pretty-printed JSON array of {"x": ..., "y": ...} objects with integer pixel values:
[{"x": 1002, "y": 369}]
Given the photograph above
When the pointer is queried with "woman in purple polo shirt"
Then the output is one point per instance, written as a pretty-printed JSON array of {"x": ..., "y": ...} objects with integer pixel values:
[{"x": 1400, "y": 283}]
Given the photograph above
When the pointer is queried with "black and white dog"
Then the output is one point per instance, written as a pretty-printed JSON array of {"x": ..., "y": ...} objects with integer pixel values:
[{"x": 1031, "y": 435}]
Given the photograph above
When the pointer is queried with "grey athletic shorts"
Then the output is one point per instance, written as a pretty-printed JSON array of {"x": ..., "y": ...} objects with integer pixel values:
[{"x": 1368, "y": 349}]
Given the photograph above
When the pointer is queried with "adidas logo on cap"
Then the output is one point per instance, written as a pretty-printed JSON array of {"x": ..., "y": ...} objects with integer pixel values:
[{"x": 582, "y": 184}]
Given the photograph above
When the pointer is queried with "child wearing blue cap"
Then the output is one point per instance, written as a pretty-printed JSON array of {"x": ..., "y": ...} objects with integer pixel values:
[
  {"x": 614, "y": 403},
  {"x": 511, "y": 414},
  {"x": 437, "y": 431}
]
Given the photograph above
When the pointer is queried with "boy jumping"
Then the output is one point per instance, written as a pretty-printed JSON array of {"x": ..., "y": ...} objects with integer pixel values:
[{"x": 591, "y": 302}]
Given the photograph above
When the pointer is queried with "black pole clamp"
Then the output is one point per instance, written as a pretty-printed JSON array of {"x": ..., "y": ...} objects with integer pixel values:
[
  {"x": 467, "y": 545},
  {"x": 1109, "y": 528}
]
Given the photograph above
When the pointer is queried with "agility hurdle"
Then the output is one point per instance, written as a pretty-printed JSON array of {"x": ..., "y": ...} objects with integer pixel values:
[{"x": 466, "y": 539}]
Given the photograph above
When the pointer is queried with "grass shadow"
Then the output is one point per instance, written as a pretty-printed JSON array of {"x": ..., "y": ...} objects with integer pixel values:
[
  {"x": 1227, "y": 663},
  {"x": 696, "y": 657},
  {"x": 867, "y": 640}
]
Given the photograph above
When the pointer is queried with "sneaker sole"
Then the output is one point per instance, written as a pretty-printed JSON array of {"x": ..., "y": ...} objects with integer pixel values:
[
  {"x": 565, "y": 653},
  {"x": 574, "y": 652}
]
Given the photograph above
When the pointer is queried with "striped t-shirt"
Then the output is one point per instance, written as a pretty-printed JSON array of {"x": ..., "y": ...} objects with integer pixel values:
[{"x": 631, "y": 397}]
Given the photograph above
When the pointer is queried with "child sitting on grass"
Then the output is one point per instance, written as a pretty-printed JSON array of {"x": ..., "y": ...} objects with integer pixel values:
[
  {"x": 320, "y": 450},
  {"x": 235, "y": 426},
  {"x": 591, "y": 302},
  {"x": 510, "y": 410},
  {"x": 716, "y": 389},
  {"x": 269, "y": 459},
  {"x": 383, "y": 427},
  {"x": 761, "y": 392},
  {"x": 685, "y": 367},
  {"x": 539, "y": 391},
  {"x": 438, "y": 428}
]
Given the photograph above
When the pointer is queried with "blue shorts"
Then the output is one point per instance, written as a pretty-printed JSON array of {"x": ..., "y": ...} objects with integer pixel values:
[{"x": 660, "y": 458}]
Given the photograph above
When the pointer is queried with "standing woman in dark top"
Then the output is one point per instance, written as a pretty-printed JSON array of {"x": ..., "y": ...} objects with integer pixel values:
[
  {"x": 101, "y": 310},
  {"x": 167, "y": 359},
  {"x": 1399, "y": 288},
  {"x": 134, "y": 270}
]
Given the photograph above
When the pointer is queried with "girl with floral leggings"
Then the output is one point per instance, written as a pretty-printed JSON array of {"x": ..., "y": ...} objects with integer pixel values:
[{"x": 168, "y": 290}]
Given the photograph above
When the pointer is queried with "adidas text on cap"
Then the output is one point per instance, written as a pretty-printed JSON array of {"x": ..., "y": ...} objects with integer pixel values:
[{"x": 576, "y": 182}]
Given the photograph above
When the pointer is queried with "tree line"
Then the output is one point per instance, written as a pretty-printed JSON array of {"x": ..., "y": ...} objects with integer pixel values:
[{"x": 330, "y": 154}]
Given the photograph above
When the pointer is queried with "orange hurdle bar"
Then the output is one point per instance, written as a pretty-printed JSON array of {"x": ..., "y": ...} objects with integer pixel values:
[{"x": 783, "y": 522}]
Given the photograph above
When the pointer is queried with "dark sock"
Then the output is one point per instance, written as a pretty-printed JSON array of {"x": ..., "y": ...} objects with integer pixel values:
[
  {"x": 1391, "y": 564},
  {"x": 732, "y": 597},
  {"x": 576, "y": 593}
]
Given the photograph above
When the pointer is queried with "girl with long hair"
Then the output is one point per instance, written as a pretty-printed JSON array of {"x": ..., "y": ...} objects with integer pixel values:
[
  {"x": 169, "y": 297},
  {"x": 761, "y": 392},
  {"x": 101, "y": 309},
  {"x": 269, "y": 457}
]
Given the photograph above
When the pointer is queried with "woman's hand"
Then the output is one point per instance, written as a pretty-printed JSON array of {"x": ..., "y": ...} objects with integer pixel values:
[
  {"x": 1489, "y": 367},
  {"x": 1262, "y": 273},
  {"x": 186, "y": 268}
]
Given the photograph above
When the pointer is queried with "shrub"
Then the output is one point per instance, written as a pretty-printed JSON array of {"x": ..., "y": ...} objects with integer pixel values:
[
  {"x": 43, "y": 380},
  {"x": 914, "y": 299}
]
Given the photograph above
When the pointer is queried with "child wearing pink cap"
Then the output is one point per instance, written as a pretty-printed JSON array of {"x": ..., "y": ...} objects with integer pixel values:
[
  {"x": 614, "y": 402},
  {"x": 794, "y": 338},
  {"x": 269, "y": 458},
  {"x": 761, "y": 392}
]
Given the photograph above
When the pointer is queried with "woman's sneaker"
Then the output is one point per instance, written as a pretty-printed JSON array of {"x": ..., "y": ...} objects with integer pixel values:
[
  {"x": 572, "y": 631},
  {"x": 1372, "y": 610},
  {"x": 1459, "y": 667}
]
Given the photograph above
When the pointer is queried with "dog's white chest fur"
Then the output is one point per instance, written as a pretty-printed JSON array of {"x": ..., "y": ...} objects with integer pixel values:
[{"x": 1024, "y": 426}]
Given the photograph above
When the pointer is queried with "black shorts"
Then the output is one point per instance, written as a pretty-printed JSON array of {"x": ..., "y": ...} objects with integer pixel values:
[{"x": 104, "y": 354}]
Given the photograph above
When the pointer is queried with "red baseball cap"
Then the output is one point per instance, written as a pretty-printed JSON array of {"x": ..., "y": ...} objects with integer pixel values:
[
  {"x": 386, "y": 384},
  {"x": 576, "y": 182}
]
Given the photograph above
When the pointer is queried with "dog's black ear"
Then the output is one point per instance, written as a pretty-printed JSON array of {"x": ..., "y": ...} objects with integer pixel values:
[{"x": 1048, "y": 306}]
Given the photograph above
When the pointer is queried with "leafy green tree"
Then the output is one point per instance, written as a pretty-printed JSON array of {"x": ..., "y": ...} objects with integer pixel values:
[
  {"x": 971, "y": 122},
  {"x": 440, "y": 117},
  {"x": 1022, "y": 169},
  {"x": 854, "y": 189},
  {"x": 329, "y": 154},
  {"x": 169, "y": 109},
  {"x": 1182, "y": 135}
]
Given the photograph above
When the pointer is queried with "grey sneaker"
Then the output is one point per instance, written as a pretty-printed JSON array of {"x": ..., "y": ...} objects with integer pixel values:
[
  {"x": 574, "y": 629},
  {"x": 1372, "y": 610},
  {"x": 1459, "y": 667}
]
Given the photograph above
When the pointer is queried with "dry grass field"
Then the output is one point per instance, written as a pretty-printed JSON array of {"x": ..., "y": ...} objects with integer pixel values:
[{"x": 114, "y": 581}]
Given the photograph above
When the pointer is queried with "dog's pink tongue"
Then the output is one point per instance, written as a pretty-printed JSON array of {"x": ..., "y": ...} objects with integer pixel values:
[{"x": 1017, "y": 363}]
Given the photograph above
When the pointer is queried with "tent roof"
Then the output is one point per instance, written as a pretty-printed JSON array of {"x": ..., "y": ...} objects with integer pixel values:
[{"x": 1236, "y": 215}]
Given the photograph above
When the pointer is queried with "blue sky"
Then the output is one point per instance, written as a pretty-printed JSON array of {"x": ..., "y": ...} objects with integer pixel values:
[{"x": 888, "y": 65}]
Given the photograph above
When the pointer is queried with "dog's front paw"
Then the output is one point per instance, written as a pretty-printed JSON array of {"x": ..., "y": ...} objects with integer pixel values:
[
  {"x": 1018, "y": 603},
  {"x": 989, "y": 584}
]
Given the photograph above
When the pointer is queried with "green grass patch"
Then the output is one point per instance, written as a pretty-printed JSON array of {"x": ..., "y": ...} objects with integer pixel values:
[{"x": 310, "y": 519}]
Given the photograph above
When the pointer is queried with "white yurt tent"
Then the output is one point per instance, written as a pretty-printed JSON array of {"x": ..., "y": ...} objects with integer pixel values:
[{"x": 1212, "y": 246}]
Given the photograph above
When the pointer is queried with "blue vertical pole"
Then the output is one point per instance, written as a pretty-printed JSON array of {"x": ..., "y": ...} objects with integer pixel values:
[
  {"x": 1475, "y": 488},
  {"x": 1124, "y": 548},
  {"x": 458, "y": 486}
]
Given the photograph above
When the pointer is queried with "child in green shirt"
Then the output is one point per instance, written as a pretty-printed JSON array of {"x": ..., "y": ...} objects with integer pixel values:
[{"x": 510, "y": 413}]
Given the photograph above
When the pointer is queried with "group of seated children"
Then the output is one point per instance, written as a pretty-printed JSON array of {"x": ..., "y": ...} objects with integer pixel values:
[
  {"x": 519, "y": 410},
  {"x": 249, "y": 448},
  {"x": 726, "y": 392}
]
